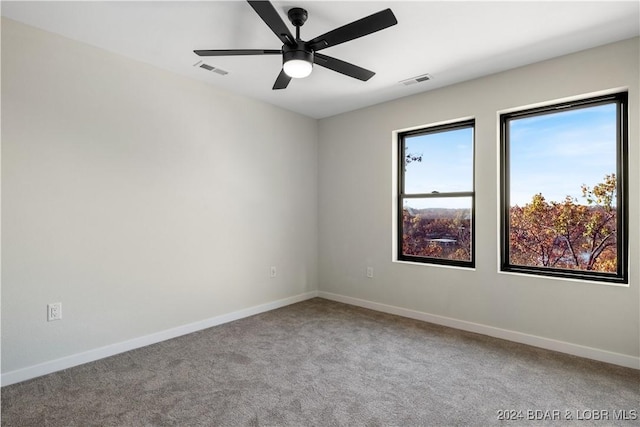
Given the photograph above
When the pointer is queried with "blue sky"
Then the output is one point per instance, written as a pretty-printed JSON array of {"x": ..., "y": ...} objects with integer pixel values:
[
  {"x": 553, "y": 154},
  {"x": 447, "y": 162},
  {"x": 446, "y": 166}
]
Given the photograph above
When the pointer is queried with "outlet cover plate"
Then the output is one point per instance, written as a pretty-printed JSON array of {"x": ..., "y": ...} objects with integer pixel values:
[{"x": 54, "y": 311}]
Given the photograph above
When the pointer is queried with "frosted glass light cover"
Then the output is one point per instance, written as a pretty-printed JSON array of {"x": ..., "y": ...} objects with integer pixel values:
[{"x": 297, "y": 68}]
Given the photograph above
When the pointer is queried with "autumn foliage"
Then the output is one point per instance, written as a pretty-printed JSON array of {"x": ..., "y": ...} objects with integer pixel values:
[
  {"x": 567, "y": 234},
  {"x": 563, "y": 235},
  {"x": 437, "y": 233}
]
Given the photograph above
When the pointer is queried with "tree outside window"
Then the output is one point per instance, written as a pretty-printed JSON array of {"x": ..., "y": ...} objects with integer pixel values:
[{"x": 563, "y": 190}]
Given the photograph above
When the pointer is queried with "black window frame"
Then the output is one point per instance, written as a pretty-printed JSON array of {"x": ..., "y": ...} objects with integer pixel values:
[
  {"x": 622, "y": 206},
  {"x": 462, "y": 124}
]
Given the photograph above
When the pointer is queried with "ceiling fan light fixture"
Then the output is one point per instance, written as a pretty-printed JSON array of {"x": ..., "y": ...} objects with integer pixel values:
[
  {"x": 297, "y": 63},
  {"x": 297, "y": 68}
]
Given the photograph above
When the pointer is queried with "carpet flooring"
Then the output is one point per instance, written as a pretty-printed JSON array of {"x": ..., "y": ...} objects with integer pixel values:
[{"x": 322, "y": 363}]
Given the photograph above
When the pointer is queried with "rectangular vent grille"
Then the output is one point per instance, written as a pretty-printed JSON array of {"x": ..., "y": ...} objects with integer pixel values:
[
  {"x": 417, "y": 79},
  {"x": 211, "y": 68}
]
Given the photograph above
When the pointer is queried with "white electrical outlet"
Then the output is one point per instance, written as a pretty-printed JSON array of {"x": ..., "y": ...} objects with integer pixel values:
[
  {"x": 54, "y": 311},
  {"x": 370, "y": 272},
  {"x": 273, "y": 272}
]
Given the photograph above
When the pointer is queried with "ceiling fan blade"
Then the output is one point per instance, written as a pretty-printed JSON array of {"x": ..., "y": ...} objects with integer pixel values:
[
  {"x": 270, "y": 16},
  {"x": 233, "y": 52},
  {"x": 282, "y": 81},
  {"x": 362, "y": 27},
  {"x": 342, "y": 67}
]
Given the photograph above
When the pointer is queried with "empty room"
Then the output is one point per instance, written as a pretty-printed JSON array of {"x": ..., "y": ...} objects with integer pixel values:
[{"x": 320, "y": 213}]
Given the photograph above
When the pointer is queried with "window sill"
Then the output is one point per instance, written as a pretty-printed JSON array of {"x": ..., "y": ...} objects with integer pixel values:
[
  {"x": 425, "y": 264},
  {"x": 619, "y": 284}
]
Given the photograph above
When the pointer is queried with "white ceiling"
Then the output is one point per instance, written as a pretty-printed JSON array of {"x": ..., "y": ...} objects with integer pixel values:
[{"x": 453, "y": 41}]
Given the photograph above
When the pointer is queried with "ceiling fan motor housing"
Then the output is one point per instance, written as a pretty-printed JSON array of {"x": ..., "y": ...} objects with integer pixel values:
[{"x": 298, "y": 51}]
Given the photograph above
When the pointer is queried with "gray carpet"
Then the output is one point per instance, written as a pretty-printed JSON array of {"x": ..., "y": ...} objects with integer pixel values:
[{"x": 321, "y": 363}]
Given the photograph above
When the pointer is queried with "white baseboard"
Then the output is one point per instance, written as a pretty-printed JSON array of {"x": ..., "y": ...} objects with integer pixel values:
[
  {"x": 34, "y": 371},
  {"x": 533, "y": 340},
  {"x": 45, "y": 368}
]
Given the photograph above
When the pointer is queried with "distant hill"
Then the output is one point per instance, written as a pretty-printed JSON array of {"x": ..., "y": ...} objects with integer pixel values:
[{"x": 436, "y": 213}]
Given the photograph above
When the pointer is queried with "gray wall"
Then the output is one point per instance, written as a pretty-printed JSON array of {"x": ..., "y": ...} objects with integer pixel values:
[
  {"x": 144, "y": 201},
  {"x": 356, "y": 209},
  {"x": 139, "y": 199}
]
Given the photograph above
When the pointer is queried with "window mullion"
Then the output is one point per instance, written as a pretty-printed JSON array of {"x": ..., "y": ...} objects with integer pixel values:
[{"x": 437, "y": 195}]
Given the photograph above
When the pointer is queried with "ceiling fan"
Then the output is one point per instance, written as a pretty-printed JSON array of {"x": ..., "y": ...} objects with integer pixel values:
[{"x": 298, "y": 56}]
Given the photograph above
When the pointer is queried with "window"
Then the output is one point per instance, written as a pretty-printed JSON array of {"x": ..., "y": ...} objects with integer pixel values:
[
  {"x": 436, "y": 195},
  {"x": 564, "y": 208}
]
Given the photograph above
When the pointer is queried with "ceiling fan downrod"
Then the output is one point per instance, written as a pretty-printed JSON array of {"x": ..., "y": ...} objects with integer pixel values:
[{"x": 297, "y": 59}]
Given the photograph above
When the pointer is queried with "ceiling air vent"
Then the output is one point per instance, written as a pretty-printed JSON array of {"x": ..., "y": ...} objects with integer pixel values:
[
  {"x": 211, "y": 68},
  {"x": 418, "y": 79}
]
